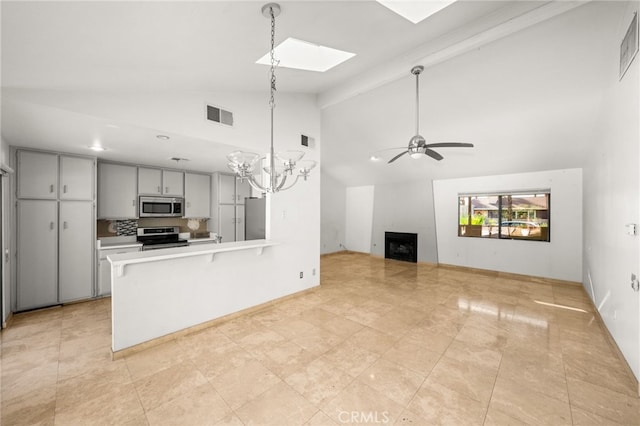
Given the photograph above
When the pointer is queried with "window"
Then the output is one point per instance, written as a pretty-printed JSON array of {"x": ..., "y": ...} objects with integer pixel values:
[{"x": 513, "y": 216}]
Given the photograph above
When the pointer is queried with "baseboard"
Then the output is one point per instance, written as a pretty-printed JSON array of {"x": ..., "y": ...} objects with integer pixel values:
[
  {"x": 8, "y": 321},
  {"x": 510, "y": 275}
]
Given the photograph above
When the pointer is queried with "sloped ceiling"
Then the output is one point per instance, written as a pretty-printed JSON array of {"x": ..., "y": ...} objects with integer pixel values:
[{"x": 526, "y": 94}]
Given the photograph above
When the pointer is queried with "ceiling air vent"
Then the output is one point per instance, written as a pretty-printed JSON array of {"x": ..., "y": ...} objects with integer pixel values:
[
  {"x": 219, "y": 115},
  {"x": 307, "y": 141}
]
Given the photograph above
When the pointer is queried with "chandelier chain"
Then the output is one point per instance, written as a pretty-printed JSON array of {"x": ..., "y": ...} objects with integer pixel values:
[{"x": 272, "y": 100}]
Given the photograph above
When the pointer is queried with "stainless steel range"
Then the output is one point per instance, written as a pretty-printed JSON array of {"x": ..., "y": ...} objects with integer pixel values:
[{"x": 161, "y": 237}]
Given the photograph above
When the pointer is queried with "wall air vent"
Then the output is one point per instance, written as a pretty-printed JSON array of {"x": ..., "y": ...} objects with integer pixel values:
[
  {"x": 307, "y": 141},
  {"x": 219, "y": 115}
]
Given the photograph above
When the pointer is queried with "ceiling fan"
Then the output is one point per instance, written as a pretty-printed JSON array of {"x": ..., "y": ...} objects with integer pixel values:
[{"x": 417, "y": 145}]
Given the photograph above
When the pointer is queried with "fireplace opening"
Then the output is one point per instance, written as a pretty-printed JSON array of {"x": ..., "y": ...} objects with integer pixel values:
[{"x": 401, "y": 246}]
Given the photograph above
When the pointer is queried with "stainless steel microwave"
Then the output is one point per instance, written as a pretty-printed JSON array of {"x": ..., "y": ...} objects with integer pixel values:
[{"x": 161, "y": 207}]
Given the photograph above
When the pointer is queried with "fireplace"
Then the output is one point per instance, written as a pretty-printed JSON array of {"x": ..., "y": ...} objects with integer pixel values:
[{"x": 401, "y": 246}]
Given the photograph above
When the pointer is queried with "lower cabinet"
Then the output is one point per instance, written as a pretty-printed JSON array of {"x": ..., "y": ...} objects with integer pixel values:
[
  {"x": 104, "y": 267},
  {"x": 55, "y": 252}
]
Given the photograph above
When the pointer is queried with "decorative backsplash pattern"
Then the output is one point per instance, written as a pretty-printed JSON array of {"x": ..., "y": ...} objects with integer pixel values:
[{"x": 126, "y": 228}]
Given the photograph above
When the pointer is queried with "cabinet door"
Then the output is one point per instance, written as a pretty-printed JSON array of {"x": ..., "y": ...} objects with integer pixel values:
[
  {"x": 227, "y": 222},
  {"x": 76, "y": 250},
  {"x": 227, "y": 189},
  {"x": 117, "y": 191},
  {"x": 149, "y": 181},
  {"x": 172, "y": 183},
  {"x": 243, "y": 190},
  {"x": 197, "y": 195},
  {"x": 37, "y": 175},
  {"x": 37, "y": 250},
  {"x": 239, "y": 222},
  {"x": 76, "y": 178}
]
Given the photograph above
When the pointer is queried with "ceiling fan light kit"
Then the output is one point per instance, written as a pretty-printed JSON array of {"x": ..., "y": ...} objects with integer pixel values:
[{"x": 418, "y": 147}]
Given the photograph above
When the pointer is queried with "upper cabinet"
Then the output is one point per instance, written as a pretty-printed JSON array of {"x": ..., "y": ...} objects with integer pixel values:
[
  {"x": 74, "y": 184},
  {"x": 160, "y": 182},
  {"x": 117, "y": 191},
  {"x": 172, "y": 183},
  {"x": 37, "y": 175},
  {"x": 197, "y": 195},
  {"x": 49, "y": 176},
  {"x": 226, "y": 188},
  {"x": 149, "y": 181}
]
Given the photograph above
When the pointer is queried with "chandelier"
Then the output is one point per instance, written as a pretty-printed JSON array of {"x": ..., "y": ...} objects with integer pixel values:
[{"x": 282, "y": 165}]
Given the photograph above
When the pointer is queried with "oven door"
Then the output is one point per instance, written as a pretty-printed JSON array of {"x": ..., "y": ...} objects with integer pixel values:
[{"x": 159, "y": 207}]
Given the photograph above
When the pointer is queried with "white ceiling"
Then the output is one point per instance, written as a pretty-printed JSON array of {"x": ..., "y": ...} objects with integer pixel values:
[{"x": 367, "y": 102}]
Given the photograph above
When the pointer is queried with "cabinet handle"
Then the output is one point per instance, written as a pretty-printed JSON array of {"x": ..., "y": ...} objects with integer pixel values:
[
  {"x": 188, "y": 204},
  {"x": 65, "y": 225},
  {"x": 52, "y": 225},
  {"x": 64, "y": 189},
  {"x": 133, "y": 203},
  {"x": 159, "y": 190},
  {"x": 166, "y": 189},
  {"x": 51, "y": 188}
]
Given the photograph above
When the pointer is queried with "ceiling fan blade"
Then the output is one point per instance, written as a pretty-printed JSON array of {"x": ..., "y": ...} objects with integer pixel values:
[
  {"x": 431, "y": 153},
  {"x": 449, "y": 145},
  {"x": 397, "y": 156}
]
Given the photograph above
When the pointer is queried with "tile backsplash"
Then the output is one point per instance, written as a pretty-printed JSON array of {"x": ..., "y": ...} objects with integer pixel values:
[{"x": 116, "y": 228}]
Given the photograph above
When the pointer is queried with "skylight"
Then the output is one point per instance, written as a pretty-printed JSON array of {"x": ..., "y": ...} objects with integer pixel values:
[
  {"x": 416, "y": 10},
  {"x": 302, "y": 55}
]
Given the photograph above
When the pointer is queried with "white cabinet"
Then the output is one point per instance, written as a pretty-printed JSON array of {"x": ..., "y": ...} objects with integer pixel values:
[
  {"x": 197, "y": 195},
  {"x": 117, "y": 191},
  {"x": 104, "y": 267},
  {"x": 37, "y": 175},
  {"x": 74, "y": 184},
  {"x": 243, "y": 190},
  {"x": 149, "y": 181},
  {"x": 37, "y": 251},
  {"x": 172, "y": 183},
  {"x": 228, "y": 206},
  {"x": 75, "y": 262},
  {"x": 168, "y": 183},
  {"x": 226, "y": 189},
  {"x": 55, "y": 215}
]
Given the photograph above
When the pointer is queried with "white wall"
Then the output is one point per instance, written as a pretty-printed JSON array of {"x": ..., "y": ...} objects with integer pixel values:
[
  {"x": 611, "y": 198},
  {"x": 561, "y": 258},
  {"x": 405, "y": 207},
  {"x": 333, "y": 198},
  {"x": 359, "y": 218}
]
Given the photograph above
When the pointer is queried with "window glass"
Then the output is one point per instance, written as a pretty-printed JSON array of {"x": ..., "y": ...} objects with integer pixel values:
[{"x": 505, "y": 216}]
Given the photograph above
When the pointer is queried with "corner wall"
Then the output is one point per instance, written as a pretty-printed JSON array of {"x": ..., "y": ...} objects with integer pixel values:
[
  {"x": 611, "y": 200},
  {"x": 333, "y": 197},
  {"x": 558, "y": 259}
]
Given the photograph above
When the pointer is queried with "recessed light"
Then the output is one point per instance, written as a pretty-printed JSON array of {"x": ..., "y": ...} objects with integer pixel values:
[
  {"x": 163, "y": 137},
  {"x": 374, "y": 158},
  {"x": 415, "y": 11},
  {"x": 303, "y": 55},
  {"x": 96, "y": 148}
]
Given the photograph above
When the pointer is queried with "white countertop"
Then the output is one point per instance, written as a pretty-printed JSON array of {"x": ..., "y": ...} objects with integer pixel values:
[
  {"x": 119, "y": 261},
  {"x": 117, "y": 243}
]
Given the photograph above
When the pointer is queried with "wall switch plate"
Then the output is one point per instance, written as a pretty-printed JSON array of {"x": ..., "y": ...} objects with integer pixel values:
[
  {"x": 301, "y": 274},
  {"x": 631, "y": 228}
]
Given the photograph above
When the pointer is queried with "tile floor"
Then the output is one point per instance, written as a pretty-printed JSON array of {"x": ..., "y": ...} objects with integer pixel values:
[{"x": 381, "y": 342}]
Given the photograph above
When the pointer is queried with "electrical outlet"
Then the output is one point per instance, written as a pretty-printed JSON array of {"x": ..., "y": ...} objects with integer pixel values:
[
  {"x": 313, "y": 272},
  {"x": 301, "y": 274}
]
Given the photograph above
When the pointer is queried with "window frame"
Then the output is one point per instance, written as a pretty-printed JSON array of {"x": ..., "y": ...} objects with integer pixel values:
[{"x": 465, "y": 199}]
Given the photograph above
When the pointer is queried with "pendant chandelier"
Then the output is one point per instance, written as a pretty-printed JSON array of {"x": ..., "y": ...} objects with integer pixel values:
[{"x": 282, "y": 165}]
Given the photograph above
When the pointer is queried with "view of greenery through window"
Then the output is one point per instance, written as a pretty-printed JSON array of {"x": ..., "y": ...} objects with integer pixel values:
[{"x": 505, "y": 216}]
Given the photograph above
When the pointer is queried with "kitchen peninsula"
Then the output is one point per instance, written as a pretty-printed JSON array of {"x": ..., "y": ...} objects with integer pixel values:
[{"x": 160, "y": 292}]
